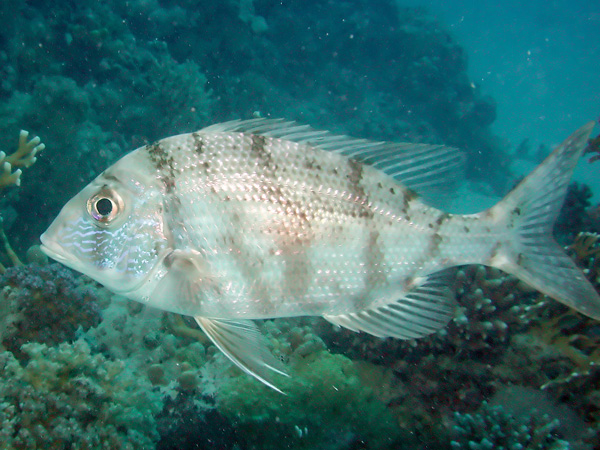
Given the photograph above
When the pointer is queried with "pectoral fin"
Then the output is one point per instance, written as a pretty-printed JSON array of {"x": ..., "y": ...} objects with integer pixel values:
[
  {"x": 243, "y": 344},
  {"x": 186, "y": 282}
]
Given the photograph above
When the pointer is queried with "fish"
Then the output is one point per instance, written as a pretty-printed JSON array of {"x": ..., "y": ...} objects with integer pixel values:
[{"x": 264, "y": 219}]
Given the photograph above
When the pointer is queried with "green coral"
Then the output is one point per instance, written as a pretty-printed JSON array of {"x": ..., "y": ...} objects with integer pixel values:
[
  {"x": 66, "y": 397},
  {"x": 327, "y": 401}
]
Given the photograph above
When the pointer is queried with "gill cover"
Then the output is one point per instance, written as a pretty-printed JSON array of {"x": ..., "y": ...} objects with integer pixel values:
[{"x": 113, "y": 229}]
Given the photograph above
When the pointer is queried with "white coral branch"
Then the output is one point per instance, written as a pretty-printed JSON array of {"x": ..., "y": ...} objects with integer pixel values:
[{"x": 23, "y": 157}]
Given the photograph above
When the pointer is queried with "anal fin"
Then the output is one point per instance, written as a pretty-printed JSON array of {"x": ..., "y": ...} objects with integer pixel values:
[
  {"x": 422, "y": 311},
  {"x": 243, "y": 344}
]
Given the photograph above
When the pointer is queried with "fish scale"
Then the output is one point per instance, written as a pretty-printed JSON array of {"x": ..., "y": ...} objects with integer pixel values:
[
  {"x": 264, "y": 219},
  {"x": 282, "y": 205}
]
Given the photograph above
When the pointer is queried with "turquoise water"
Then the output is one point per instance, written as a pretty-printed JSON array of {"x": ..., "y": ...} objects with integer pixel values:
[
  {"x": 83, "y": 368},
  {"x": 539, "y": 60}
]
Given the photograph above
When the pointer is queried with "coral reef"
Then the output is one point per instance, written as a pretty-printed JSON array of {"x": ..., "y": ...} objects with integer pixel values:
[
  {"x": 493, "y": 428},
  {"x": 573, "y": 216},
  {"x": 491, "y": 309},
  {"x": 327, "y": 401},
  {"x": 12, "y": 256},
  {"x": 67, "y": 397},
  {"x": 585, "y": 250},
  {"x": 45, "y": 304},
  {"x": 107, "y": 92},
  {"x": 83, "y": 368},
  {"x": 184, "y": 424}
]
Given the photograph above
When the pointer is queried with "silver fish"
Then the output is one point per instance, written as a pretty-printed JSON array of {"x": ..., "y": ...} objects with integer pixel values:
[{"x": 263, "y": 219}]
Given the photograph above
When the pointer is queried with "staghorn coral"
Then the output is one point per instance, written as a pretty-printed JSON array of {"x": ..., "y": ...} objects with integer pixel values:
[
  {"x": 563, "y": 356},
  {"x": 66, "y": 397},
  {"x": 46, "y": 304},
  {"x": 559, "y": 352},
  {"x": 581, "y": 391}
]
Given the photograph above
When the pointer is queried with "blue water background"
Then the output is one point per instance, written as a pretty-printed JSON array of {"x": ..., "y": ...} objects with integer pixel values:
[{"x": 539, "y": 60}]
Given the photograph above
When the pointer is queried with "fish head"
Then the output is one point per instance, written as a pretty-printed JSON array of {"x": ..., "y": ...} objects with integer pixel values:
[{"x": 113, "y": 230}]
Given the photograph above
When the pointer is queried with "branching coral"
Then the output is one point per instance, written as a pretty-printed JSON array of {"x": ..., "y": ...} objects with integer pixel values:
[
  {"x": 491, "y": 309},
  {"x": 23, "y": 157},
  {"x": 560, "y": 353},
  {"x": 10, "y": 253},
  {"x": 65, "y": 397},
  {"x": 569, "y": 367}
]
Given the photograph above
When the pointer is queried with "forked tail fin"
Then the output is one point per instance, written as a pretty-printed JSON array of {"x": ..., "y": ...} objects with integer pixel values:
[{"x": 529, "y": 212}]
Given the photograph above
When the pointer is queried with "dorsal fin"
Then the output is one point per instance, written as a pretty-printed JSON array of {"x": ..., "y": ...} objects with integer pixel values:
[{"x": 430, "y": 170}]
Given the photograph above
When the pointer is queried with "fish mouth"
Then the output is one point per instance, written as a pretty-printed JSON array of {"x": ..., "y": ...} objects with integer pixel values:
[{"x": 54, "y": 250}]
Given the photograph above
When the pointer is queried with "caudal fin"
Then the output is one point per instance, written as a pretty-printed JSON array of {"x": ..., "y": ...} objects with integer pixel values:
[{"x": 529, "y": 212}]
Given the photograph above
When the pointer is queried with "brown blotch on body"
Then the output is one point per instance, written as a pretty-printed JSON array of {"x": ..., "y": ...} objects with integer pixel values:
[
  {"x": 520, "y": 258},
  {"x": 164, "y": 163},
  {"x": 408, "y": 198},
  {"x": 258, "y": 146},
  {"x": 410, "y": 195},
  {"x": 436, "y": 240},
  {"x": 198, "y": 143},
  {"x": 441, "y": 219},
  {"x": 355, "y": 178}
]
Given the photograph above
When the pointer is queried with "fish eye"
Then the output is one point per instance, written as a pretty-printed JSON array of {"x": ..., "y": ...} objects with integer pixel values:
[{"x": 105, "y": 206}]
